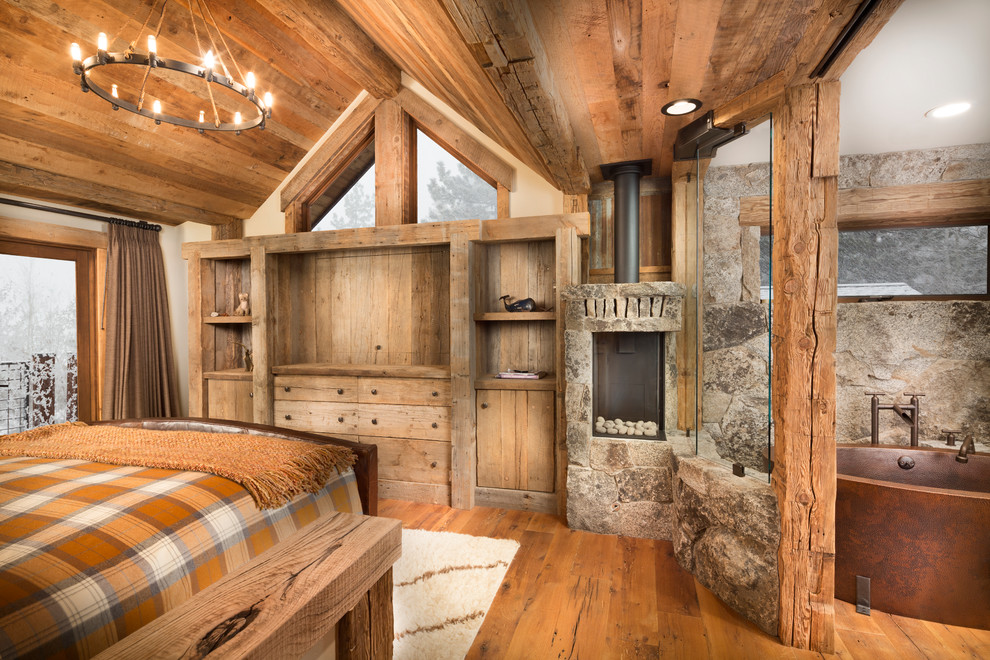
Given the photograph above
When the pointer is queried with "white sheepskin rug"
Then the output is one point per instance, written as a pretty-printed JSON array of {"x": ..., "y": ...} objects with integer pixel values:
[{"x": 444, "y": 584}]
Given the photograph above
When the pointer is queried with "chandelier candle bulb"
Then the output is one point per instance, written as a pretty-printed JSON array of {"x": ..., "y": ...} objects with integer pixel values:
[
  {"x": 113, "y": 91},
  {"x": 152, "y": 45},
  {"x": 237, "y": 118},
  {"x": 249, "y": 80},
  {"x": 76, "y": 52},
  {"x": 101, "y": 41},
  {"x": 202, "y": 117},
  {"x": 208, "y": 60}
]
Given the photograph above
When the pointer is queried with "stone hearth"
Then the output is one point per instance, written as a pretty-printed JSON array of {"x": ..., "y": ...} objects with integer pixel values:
[
  {"x": 618, "y": 485},
  {"x": 724, "y": 528}
]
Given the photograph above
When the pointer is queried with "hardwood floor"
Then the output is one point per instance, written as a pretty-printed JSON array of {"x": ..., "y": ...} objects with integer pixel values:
[{"x": 572, "y": 594}]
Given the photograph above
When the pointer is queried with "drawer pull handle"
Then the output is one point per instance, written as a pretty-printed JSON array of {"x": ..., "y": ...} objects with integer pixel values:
[
  {"x": 374, "y": 391},
  {"x": 340, "y": 390},
  {"x": 374, "y": 421},
  {"x": 433, "y": 464},
  {"x": 251, "y": 394},
  {"x": 287, "y": 388},
  {"x": 288, "y": 416},
  {"x": 484, "y": 405},
  {"x": 434, "y": 424},
  {"x": 436, "y": 394},
  {"x": 340, "y": 419}
]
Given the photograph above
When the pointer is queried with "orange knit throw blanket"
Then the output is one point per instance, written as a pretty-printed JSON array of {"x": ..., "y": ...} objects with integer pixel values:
[{"x": 273, "y": 470}]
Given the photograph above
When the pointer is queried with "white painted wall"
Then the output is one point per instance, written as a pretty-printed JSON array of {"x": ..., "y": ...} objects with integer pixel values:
[
  {"x": 171, "y": 239},
  {"x": 530, "y": 194}
]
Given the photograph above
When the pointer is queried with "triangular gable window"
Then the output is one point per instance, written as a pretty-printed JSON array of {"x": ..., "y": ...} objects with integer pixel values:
[
  {"x": 349, "y": 199},
  {"x": 447, "y": 189}
]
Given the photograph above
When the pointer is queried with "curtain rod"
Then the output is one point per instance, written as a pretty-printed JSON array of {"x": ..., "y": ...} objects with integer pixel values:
[{"x": 140, "y": 224}]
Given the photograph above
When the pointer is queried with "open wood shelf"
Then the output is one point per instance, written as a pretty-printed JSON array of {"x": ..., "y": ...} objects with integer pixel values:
[
  {"x": 229, "y": 374},
  {"x": 491, "y": 382},
  {"x": 223, "y": 320},
  {"x": 380, "y": 370},
  {"x": 516, "y": 316}
]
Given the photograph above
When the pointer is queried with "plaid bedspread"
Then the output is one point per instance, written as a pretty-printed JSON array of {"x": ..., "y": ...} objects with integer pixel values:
[{"x": 91, "y": 552}]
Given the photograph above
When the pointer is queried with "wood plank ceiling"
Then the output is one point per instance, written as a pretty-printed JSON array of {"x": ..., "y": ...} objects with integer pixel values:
[{"x": 565, "y": 85}]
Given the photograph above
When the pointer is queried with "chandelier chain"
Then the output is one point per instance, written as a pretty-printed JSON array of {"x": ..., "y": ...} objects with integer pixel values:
[
  {"x": 147, "y": 71},
  {"x": 216, "y": 50},
  {"x": 206, "y": 80},
  {"x": 223, "y": 41},
  {"x": 146, "y": 21}
]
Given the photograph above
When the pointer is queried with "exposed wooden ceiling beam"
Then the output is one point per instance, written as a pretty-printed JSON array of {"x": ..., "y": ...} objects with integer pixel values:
[
  {"x": 423, "y": 40},
  {"x": 325, "y": 26},
  {"x": 27, "y": 182},
  {"x": 816, "y": 36},
  {"x": 895, "y": 207},
  {"x": 697, "y": 24},
  {"x": 505, "y": 43}
]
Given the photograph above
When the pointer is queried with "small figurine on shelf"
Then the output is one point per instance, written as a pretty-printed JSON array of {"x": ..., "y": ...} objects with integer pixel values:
[
  {"x": 243, "y": 309},
  {"x": 524, "y": 305},
  {"x": 248, "y": 360}
]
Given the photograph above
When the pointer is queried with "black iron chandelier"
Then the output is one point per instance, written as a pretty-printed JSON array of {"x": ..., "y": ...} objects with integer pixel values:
[{"x": 205, "y": 72}]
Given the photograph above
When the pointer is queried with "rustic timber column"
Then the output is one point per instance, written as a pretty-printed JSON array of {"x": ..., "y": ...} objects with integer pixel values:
[
  {"x": 805, "y": 170},
  {"x": 687, "y": 236},
  {"x": 395, "y": 184},
  {"x": 263, "y": 294}
]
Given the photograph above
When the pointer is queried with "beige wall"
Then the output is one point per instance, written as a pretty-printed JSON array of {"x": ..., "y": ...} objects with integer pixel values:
[
  {"x": 530, "y": 194},
  {"x": 171, "y": 239}
]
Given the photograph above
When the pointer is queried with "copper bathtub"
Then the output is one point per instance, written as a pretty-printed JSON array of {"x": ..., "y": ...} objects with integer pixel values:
[{"x": 922, "y": 535}]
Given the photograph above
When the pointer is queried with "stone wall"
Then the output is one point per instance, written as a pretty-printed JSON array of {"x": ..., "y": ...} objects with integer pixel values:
[
  {"x": 877, "y": 347},
  {"x": 727, "y": 534},
  {"x": 939, "y": 348},
  {"x": 735, "y": 372}
]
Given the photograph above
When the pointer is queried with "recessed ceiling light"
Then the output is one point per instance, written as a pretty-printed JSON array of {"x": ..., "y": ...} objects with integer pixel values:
[
  {"x": 949, "y": 110},
  {"x": 680, "y": 107}
]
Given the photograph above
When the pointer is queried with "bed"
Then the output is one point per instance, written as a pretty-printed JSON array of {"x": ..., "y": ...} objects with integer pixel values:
[{"x": 295, "y": 580}]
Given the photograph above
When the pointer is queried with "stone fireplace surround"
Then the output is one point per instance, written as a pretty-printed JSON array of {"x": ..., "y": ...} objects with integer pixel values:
[{"x": 725, "y": 529}]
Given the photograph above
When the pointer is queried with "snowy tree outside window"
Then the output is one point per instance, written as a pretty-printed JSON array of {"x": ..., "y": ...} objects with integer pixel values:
[
  {"x": 355, "y": 209},
  {"x": 447, "y": 190}
]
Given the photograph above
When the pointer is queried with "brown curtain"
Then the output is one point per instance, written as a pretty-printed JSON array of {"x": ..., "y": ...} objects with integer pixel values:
[{"x": 140, "y": 378}]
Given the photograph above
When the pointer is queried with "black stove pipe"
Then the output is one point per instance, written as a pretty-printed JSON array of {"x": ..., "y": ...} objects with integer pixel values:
[{"x": 625, "y": 235}]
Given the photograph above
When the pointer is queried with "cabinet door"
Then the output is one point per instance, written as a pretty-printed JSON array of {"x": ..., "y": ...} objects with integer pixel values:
[
  {"x": 230, "y": 399},
  {"x": 515, "y": 439}
]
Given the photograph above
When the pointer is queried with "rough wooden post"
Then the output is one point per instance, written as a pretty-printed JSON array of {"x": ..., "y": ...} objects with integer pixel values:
[
  {"x": 464, "y": 457},
  {"x": 395, "y": 179},
  {"x": 686, "y": 237},
  {"x": 805, "y": 170}
]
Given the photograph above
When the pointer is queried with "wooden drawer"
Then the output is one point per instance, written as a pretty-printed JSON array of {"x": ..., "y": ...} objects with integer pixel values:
[
  {"x": 424, "y": 422},
  {"x": 408, "y": 391},
  {"x": 316, "y": 388},
  {"x": 317, "y": 416},
  {"x": 409, "y": 459}
]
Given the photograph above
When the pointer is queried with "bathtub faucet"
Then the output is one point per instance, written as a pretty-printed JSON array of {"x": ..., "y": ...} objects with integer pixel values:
[
  {"x": 910, "y": 412},
  {"x": 967, "y": 448}
]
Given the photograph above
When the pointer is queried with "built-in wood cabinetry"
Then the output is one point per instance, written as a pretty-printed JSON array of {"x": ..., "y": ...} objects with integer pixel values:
[{"x": 394, "y": 336}]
